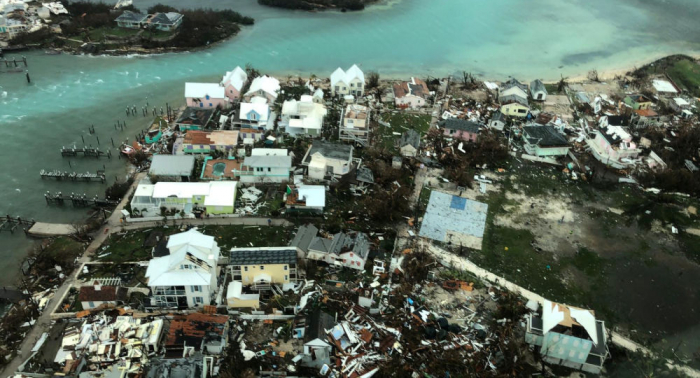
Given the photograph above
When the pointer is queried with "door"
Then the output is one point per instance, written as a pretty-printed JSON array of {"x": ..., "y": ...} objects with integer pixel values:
[{"x": 539, "y": 96}]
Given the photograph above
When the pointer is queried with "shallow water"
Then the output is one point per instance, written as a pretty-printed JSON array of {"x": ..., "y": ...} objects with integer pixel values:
[{"x": 495, "y": 39}]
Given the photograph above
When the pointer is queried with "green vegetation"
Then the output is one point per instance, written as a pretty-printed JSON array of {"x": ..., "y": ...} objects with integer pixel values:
[
  {"x": 686, "y": 74},
  {"x": 246, "y": 236},
  {"x": 399, "y": 123},
  {"x": 102, "y": 33},
  {"x": 129, "y": 246}
]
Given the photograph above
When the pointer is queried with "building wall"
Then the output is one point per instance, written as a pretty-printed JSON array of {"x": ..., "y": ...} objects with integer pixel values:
[
  {"x": 409, "y": 101},
  {"x": 276, "y": 174},
  {"x": 547, "y": 151},
  {"x": 536, "y": 94},
  {"x": 186, "y": 127},
  {"x": 352, "y": 260},
  {"x": 515, "y": 110},
  {"x": 355, "y": 87},
  {"x": 242, "y": 303},
  {"x": 276, "y": 272},
  {"x": 498, "y": 125},
  {"x": 461, "y": 134},
  {"x": 232, "y": 93},
  {"x": 219, "y": 210},
  {"x": 206, "y": 103}
]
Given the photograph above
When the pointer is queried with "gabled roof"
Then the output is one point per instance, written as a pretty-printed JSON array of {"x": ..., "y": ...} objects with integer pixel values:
[
  {"x": 415, "y": 87},
  {"x": 544, "y": 136},
  {"x": 509, "y": 99},
  {"x": 328, "y": 150},
  {"x": 202, "y": 90},
  {"x": 194, "y": 238},
  {"x": 410, "y": 137},
  {"x": 266, "y": 84},
  {"x": 460, "y": 124},
  {"x": 498, "y": 116},
  {"x": 172, "y": 165},
  {"x": 263, "y": 256},
  {"x": 304, "y": 236},
  {"x": 236, "y": 78},
  {"x": 347, "y": 76},
  {"x": 170, "y": 18},
  {"x": 129, "y": 16},
  {"x": 513, "y": 83},
  {"x": 356, "y": 242},
  {"x": 537, "y": 86}
]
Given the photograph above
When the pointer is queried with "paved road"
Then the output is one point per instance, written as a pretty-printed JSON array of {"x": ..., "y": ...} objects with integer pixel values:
[{"x": 204, "y": 222}]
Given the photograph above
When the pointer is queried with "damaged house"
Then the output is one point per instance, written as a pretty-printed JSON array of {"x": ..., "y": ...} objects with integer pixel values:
[
  {"x": 613, "y": 146},
  {"x": 544, "y": 141},
  {"x": 326, "y": 159},
  {"x": 97, "y": 295},
  {"x": 568, "y": 336},
  {"x": 349, "y": 250},
  {"x": 196, "y": 332}
]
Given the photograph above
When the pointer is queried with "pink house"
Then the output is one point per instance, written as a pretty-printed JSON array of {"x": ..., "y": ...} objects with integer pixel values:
[
  {"x": 205, "y": 95},
  {"x": 233, "y": 83},
  {"x": 460, "y": 129}
]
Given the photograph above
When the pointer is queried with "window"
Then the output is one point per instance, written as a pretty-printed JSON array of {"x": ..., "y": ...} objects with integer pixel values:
[
  {"x": 352, "y": 85},
  {"x": 253, "y": 116},
  {"x": 269, "y": 169},
  {"x": 286, "y": 277},
  {"x": 259, "y": 169},
  {"x": 245, "y": 268},
  {"x": 195, "y": 288},
  {"x": 201, "y": 104},
  {"x": 337, "y": 88},
  {"x": 198, "y": 300},
  {"x": 262, "y": 267},
  {"x": 344, "y": 88},
  {"x": 210, "y": 105},
  {"x": 230, "y": 91},
  {"x": 285, "y": 267},
  {"x": 207, "y": 97},
  {"x": 91, "y": 304}
]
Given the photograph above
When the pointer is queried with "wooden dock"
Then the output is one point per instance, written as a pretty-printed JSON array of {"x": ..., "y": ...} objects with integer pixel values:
[
  {"x": 74, "y": 176},
  {"x": 46, "y": 230},
  {"x": 9, "y": 223},
  {"x": 85, "y": 151},
  {"x": 78, "y": 200}
]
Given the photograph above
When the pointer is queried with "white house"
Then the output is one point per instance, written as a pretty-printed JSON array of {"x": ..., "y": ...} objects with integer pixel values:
[
  {"x": 512, "y": 88},
  {"x": 305, "y": 197},
  {"x": 236, "y": 298},
  {"x": 263, "y": 86},
  {"x": 303, "y": 117},
  {"x": 497, "y": 121},
  {"x": 205, "y": 95},
  {"x": 265, "y": 165},
  {"x": 233, "y": 83},
  {"x": 255, "y": 113},
  {"x": 188, "y": 197},
  {"x": 613, "y": 146},
  {"x": 327, "y": 159},
  {"x": 350, "y": 82},
  {"x": 538, "y": 90},
  {"x": 187, "y": 277},
  {"x": 348, "y": 250}
]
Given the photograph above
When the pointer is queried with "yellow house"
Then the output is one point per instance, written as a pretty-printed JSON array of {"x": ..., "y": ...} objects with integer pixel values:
[
  {"x": 260, "y": 267},
  {"x": 515, "y": 109}
]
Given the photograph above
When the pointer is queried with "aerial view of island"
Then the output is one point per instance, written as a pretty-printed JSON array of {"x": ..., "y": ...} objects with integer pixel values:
[{"x": 349, "y": 188}]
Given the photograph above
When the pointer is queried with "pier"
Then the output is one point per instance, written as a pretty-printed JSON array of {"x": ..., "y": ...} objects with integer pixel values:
[
  {"x": 85, "y": 151},
  {"x": 46, "y": 230},
  {"x": 74, "y": 176},
  {"x": 9, "y": 223},
  {"x": 78, "y": 200}
]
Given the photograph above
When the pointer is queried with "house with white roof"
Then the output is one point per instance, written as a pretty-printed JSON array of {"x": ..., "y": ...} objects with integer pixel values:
[
  {"x": 263, "y": 86},
  {"x": 305, "y": 197},
  {"x": 187, "y": 277},
  {"x": 205, "y": 95},
  {"x": 254, "y": 113},
  {"x": 233, "y": 83},
  {"x": 303, "y": 117},
  {"x": 568, "y": 336},
  {"x": 217, "y": 197},
  {"x": 350, "y": 82},
  {"x": 265, "y": 165},
  {"x": 324, "y": 159}
]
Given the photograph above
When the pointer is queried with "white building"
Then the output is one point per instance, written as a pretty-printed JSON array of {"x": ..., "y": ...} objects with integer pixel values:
[
  {"x": 324, "y": 159},
  {"x": 216, "y": 197},
  {"x": 255, "y": 113},
  {"x": 349, "y": 250},
  {"x": 233, "y": 83},
  {"x": 350, "y": 82},
  {"x": 187, "y": 277},
  {"x": 305, "y": 198},
  {"x": 303, "y": 117},
  {"x": 205, "y": 95},
  {"x": 264, "y": 86},
  {"x": 265, "y": 165}
]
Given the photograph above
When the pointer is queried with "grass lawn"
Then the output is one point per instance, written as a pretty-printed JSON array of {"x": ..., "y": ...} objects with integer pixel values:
[
  {"x": 686, "y": 74},
  {"x": 249, "y": 236},
  {"x": 129, "y": 247},
  {"x": 64, "y": 248},
  {"x": 401, "y": 122},
  {"x": 99, "y": 33}
]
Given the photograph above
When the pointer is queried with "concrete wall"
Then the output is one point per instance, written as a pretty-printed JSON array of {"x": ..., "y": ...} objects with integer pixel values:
[{"x": 276, "y": 272}]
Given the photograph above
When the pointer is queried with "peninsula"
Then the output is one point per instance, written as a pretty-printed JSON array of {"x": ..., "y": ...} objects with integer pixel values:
[
  {"x": 318, "y": 5},
  {"x": 98, "y": 28}
]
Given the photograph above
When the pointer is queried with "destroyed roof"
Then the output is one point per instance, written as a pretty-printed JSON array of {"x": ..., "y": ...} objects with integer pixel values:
[
  {"x": 195, "y": 116},
  {"x": 618, "y": 120},
  {"x": 172, "y": 368},
  {"x": 172, "y": 165},
  {"x": 104, "y": 294},
  {"x": 304, "y": 236},
  {"x": 544, "y": 136},
  {"x": 364, "y": 174},
  {"x": 554, "y": 314},
  {"x": 356, "y": 242},
  {"x": 498, "y": 116},
  {"x": 460, "y": 124},
  {"x": 415, "y": 87},
  {"x": 638, "y": 98},
  {"x": 318, "y": 322},
  {"x": 537, "y": 86},
  {"x": 410, "y": 137},
  {"x": 513, "y": 98},
  {"x": 513, "y": 83},
  {"x": 191, "y": 329},
  {"x": 328, "y": 150},
  {"x": 129, "y": 16},
  {"x": 263, "y": 255}
]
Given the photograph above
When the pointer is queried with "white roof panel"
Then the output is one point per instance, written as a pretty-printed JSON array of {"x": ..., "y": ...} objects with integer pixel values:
[
  {"x": 314, "y": 195},
  {"x": 221, "y": 193},
  {"x": 237, "y": 78},
  {"x": 202, "y": 90}
]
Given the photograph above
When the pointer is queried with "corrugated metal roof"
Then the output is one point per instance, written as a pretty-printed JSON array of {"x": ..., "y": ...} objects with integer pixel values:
[{"x": 255, "y": 256}]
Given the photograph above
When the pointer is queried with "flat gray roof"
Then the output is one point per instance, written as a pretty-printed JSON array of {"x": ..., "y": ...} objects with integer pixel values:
[
  {"x": 448, "y": 214},
  {"x": 172, "y": 165}
]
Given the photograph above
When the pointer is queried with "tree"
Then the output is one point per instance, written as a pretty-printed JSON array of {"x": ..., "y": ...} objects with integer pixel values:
[
  {"x": 561, "y": 86},
  {"x": 372, "y": 80},
  {"x": 593, "y": 75}
]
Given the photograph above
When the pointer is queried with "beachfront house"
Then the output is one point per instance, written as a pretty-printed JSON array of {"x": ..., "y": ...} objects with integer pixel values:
[
  {"x": 205, "y": 95},
  {"x": 637, "y": 102},
  {"x": 194, "y": 119},
  {"x": 544, "y": 141},
  {"x": 411, "y": 94},
  {"x": 263, "y": 86},
  {"x": 497, "y": 121},
  {"x": 303, "y": 117},
  {"x": 265, "y": 165},
  {"x": 514, "y": 106},
  {"x": 409, "y": 144},
  {"x": 460, "y": 129},
  {"x": 167, "y": 21},
  {"x": 253, "y": 114},
  {"x": 348, "y": 250},
  {"x": 354, "y": 124},
  {"x": 568, "y": 336},
  {"x": 538, "y": 90},
  {"x": 206, "y": 142},
  {"x": 325, "y": 159},
  {"x": 233, "y": 82},
  {"x": 259, "y": 267},
  {"x": 184, "y": 198},
  {"x": 172, "y": 167},
  {"x": 350, "y": 82},
  {"x": 187, "y": 277},
  {"x": 512, "y": 87},
  {"x": 130, "y": 20}
]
